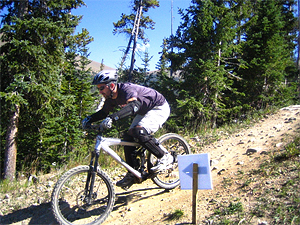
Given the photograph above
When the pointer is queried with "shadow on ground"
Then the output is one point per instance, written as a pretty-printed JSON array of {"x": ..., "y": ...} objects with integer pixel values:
[
  {"x": 42, "y": 214},
  {"x": 124, "y": 198}
]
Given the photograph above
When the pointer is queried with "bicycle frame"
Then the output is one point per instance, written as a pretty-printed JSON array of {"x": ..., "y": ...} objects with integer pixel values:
[{"x": 104, "y": 143}]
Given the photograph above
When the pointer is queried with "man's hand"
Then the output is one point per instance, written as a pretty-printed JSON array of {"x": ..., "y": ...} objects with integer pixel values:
[
  {"x": 107, "y": 123},
  {"x": 86, "y": 124}
]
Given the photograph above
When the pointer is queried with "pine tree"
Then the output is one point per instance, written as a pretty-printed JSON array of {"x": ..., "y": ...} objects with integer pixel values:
[
  {"x": 36, "y": 36},
  {"x": 164, "y": 82},
  {"x": 62, "y": 133},
  {"x": 205, "y": 43},
  {"x": 142, "y": 75},
  {"x": 267, "y": 51}
]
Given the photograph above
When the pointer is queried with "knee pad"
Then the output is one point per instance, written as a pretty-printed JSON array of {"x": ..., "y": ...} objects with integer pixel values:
[
  {"x": 147, "y": 141},
  {"x": 141, "y": 134},
  {"x": 128, "y": 137}
]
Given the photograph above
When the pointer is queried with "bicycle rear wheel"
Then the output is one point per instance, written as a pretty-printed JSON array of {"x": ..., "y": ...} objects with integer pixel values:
[
  {"x": 69, "y": 200},
  {"x": 176, "y": 145}
]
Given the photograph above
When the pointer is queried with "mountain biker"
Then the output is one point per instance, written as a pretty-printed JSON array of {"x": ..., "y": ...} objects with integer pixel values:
[{"x": 150, "y": 109}]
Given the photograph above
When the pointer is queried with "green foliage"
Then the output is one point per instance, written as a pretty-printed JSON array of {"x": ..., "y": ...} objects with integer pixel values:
[
  {"x": 7, "y": 186},
  {"x": 268, "y": 53},
  {"x": 230, "y": 58},
  {"x": 205, "y": 43},
  {"x": 45, "y": 76},
  {"x": 279, "y": 204},
  {"x": 177, "y": 214},
  {"x": 192, "y": 112},
  {"x": 291, "y": 150},
  {"x": 233, "y": 208}
]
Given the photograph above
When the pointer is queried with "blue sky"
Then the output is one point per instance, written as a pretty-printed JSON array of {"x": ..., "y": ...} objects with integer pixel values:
[{"x": 98, "y": 18}]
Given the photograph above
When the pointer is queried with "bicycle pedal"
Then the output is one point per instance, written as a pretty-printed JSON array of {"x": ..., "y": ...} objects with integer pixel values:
[
  {"x": 126, "y": 187},
  {"x": 152, "y": 175}
]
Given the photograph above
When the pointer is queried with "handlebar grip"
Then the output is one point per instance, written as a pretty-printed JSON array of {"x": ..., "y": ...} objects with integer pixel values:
[{"x": 98, "y": 127}]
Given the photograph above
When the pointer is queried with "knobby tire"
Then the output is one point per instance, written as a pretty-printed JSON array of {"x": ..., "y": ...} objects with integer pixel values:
[
  {"x": 176, "y": 145},
  {"x": 69, "y": 203}
]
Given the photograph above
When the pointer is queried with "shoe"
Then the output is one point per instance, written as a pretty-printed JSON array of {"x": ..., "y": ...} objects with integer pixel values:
[
  {"x": 127, "y": 181},
  {"x": 163, "y": 163}
]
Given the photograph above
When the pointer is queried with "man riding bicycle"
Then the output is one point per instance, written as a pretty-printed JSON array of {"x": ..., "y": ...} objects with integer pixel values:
[{"x": 150, "y": 109}]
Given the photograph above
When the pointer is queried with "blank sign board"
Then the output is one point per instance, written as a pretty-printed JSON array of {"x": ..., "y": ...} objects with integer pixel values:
[{"x": 185, "y": 164}]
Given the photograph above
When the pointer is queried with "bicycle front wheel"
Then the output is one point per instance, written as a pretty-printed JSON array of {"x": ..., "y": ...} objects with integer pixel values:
[
  {"x": 176, "y": 145},
  {"x": 70, "y": 201}
]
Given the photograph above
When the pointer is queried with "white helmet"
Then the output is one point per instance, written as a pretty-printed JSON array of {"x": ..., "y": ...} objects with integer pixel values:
[{"x": 105, "y": 77}]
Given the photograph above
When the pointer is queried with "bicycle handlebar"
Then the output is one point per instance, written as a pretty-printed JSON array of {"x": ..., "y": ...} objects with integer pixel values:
[{"x": 99, "y": 128}]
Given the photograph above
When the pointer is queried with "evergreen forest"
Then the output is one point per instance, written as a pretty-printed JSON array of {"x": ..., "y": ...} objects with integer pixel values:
[{"x": 226, "y": 60}]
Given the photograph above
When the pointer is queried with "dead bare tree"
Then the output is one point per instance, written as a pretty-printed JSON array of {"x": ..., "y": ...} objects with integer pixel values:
[
  {"x": 134, "y": 25},
  {"x": 133, "y": 37}
]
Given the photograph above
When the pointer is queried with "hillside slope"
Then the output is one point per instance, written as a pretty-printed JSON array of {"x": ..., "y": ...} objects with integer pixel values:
[{"x": 147, "y": 204}]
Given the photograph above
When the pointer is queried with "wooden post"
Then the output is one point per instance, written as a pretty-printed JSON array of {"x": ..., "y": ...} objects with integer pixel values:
[{"x": 195, "y": 189}]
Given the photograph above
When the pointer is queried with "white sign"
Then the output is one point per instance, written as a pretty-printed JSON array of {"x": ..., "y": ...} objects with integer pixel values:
[{"x": 185, "y": 164}]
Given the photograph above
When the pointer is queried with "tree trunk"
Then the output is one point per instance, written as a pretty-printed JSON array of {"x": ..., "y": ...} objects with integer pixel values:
[
  {"x": 136, "y": 25},
  {"x": 130, "y": 40},
  {"x": 11, "y": 145},
  {"x": 10, "y": 155}
]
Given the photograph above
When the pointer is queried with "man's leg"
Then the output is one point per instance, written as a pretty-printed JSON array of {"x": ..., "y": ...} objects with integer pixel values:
[
  {"x": 150, "y": 143},
  {"x": 131, "y": 160},
  {"x": 130, "y": 157},
  {"x": 147, "y": 141},
  {"x": 144, "y": 125},
  {"x": 152, "y": 120}
]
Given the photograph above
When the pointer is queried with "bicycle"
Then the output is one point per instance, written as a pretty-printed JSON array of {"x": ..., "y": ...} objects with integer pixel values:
[{"x": 86, "y": 195}]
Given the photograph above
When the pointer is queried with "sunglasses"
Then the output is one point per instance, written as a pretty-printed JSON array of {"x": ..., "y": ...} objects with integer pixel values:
[{"x": 101, "y": 88}]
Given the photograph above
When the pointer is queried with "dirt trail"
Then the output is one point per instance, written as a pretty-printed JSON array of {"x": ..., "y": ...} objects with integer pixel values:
[{"x": 147, "y": 204}]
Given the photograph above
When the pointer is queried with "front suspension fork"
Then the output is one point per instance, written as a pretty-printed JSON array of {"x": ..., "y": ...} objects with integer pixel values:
[{"x": 89, "y": 186}]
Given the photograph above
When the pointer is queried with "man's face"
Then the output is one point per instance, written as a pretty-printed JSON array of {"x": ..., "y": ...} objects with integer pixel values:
[{"x": 104, "y": 90}]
